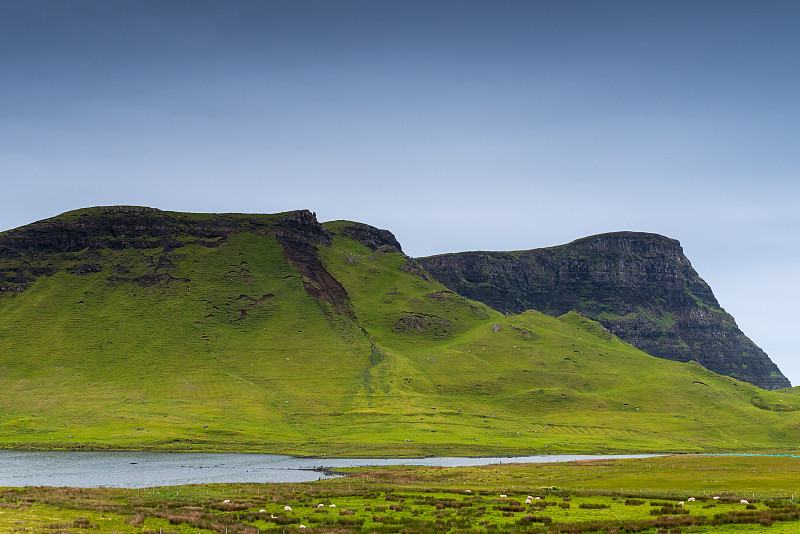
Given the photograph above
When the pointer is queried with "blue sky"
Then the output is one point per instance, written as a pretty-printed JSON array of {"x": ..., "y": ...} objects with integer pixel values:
[{"x": 458, "y": 125}]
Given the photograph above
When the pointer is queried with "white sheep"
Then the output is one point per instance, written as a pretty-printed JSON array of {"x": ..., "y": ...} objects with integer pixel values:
[
  {"x": 287, "y": 508},
  {"x": 226, "y": 501},
  {"x": 680, "y": 503},
  {"x": 320, "y": 505},
  {"x": 468, "y": 491},
  {"x": 743, "y": 501},
  {"x": 537, "y": 499},
  {"x": 691, "y": 499},
  {"x": 302, "y": 526},
  {"x": 716, "y": 497},
  {"x": 502, "y": 496},
  {"x": 262, "y": 511},
  {"x": 332, "y": 506},
  {"x": 528, "y": 501}
]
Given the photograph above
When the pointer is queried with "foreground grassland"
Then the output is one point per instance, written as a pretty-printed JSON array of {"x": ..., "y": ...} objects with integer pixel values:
[{"x": 644, "y": 495}]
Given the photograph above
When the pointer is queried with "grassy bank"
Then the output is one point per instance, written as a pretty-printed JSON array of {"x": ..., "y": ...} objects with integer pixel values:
[{"x": 644, "y": 495}]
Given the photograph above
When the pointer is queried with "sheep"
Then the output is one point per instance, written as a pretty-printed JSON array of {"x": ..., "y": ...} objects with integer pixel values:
[
  {"x": 332, "y": 506},
  {"x": 468, "y": 491},
  {"x": 502, "y": 496},
  {"x": 529, "y": 497},
  {"x": 287, "y": 508},
  {"x": 528, "y": 501},
  {"x": 537, "y": 499},
  {"x": 680, "y": 503},
  {"x": 320, "y": 505},
  {"x": 262, "y": 511},
  {"x": 743, "y": 501},
  {"x": 716, "y": 497},
  {"x": 691, "y": 499},
  {"x": 302, "y": 526},
  {"x": 226, "y": 501}
]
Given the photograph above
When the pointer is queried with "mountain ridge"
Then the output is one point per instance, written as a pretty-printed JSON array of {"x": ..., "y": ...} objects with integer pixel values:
[
  {"x": 125, "y": 327},
  {"x": 639, "y": 285}
]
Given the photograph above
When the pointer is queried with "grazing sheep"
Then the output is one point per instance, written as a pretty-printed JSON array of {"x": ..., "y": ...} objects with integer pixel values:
[
  {"x": 262, "y": 511},
  {"x": 468, "y": 491},
  {"x": 320, "y": 505},
  {"x": 302, "y": 526},
  {"x": 716, "y": 497},
  {"x": 537, "y": 499},
  {"x": 743, "y": 501},
  {"x": 502, "y": 496},
  {"x": 528, "y": 501},
  {"x": 332, "y": 506},
  {"x": 273, "y": 516},
  {"x": 287, "y": 508},
  {"x": 226, "y": 501},
  {"x": 680, "y": 503},
  {"x": 691, "y": 499},
  {"x": 530, "y": 497}
]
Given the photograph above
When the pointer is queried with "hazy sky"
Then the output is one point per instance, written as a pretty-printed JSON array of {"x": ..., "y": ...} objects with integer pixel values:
[{"x": 458, "y": 125}]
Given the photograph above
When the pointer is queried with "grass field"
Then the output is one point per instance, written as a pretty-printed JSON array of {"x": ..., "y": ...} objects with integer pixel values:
[{"x": 643, "y": 495}]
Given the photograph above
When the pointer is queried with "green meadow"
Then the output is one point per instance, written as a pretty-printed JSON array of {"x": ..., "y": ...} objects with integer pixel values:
[
  {"x": 218, "y": 344},
  {"x": 653, "y": 495}
]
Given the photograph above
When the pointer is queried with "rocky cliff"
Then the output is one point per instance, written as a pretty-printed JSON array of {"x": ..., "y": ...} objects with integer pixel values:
[
  {"x": 77, "y": 238},
  {"x": 640, "y": 286}
]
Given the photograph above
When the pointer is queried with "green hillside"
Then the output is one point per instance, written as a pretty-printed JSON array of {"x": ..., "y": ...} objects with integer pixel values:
[{"x": 136, "y": 328}]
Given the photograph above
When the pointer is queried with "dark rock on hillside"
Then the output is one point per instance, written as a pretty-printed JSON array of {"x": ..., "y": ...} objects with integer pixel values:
[
  {"x": 640, "y": 286},
  {"x": 301, "y": 229},
  {"x": 115, "y": 227},
  {"x": 371, "y": 237},
  {"x": 299, "y": 232},
  {"x": 382, "y": 241},
  {"x": 73, "y": 240}
]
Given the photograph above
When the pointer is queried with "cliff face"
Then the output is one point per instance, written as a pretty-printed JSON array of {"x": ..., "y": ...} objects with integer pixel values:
[
  {"x": 640, "y": 286},
  {"x": 76, "y": 238}
]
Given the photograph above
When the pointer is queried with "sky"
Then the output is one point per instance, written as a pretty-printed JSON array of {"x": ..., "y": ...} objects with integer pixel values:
[{"x": 457, "y": 125}]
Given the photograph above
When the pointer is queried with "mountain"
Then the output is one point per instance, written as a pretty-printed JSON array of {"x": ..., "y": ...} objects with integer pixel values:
[
  {"x": 131, "y": 327},
  {"x": 640, "y": 286}
]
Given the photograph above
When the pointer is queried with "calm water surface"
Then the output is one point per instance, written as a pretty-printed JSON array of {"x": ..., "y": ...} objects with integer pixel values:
[{"x": 148, "y": 469}]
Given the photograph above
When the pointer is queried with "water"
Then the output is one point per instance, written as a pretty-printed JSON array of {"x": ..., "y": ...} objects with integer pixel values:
[{"x": 149, "y": 469}]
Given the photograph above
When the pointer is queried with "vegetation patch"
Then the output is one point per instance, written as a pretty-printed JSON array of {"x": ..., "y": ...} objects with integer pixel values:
[{"x": 436, "y": 500}]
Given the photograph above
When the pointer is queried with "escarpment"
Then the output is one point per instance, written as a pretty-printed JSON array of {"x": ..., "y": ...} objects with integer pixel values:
[
  {"x": 75, "y": 241},
  {"x": 640, "y": 286}
]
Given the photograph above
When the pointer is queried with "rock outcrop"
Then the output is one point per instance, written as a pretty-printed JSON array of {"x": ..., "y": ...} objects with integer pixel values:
[
  {"x": 640, "y": 286},
  {"x": 371, "y": 237},
  {"x": 36, "y": 249}
]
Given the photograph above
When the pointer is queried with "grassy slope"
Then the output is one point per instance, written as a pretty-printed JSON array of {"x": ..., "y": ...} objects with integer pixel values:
[
  {"x": 419, "y": 371},
  {"x": 100, "y": 361}
]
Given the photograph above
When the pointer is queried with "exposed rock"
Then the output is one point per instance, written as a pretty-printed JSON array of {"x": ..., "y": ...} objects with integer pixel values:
[
  {"x": 84, "y": 232},
  {"x": 422, "y": 322},
  {"x": 372, "y": 238},
  {"x": 412, "y": 266},
  {"x": 640, "y": 286},
  {"x": 120, "y": 227},
  {"x": 86, "y": 268},
  {"x": 300, "y": 233},
  {"x": 302, "y": 229}
]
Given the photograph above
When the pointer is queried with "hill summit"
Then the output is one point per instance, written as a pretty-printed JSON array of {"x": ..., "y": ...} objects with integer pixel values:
[{"x": 640, "y": 286}]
